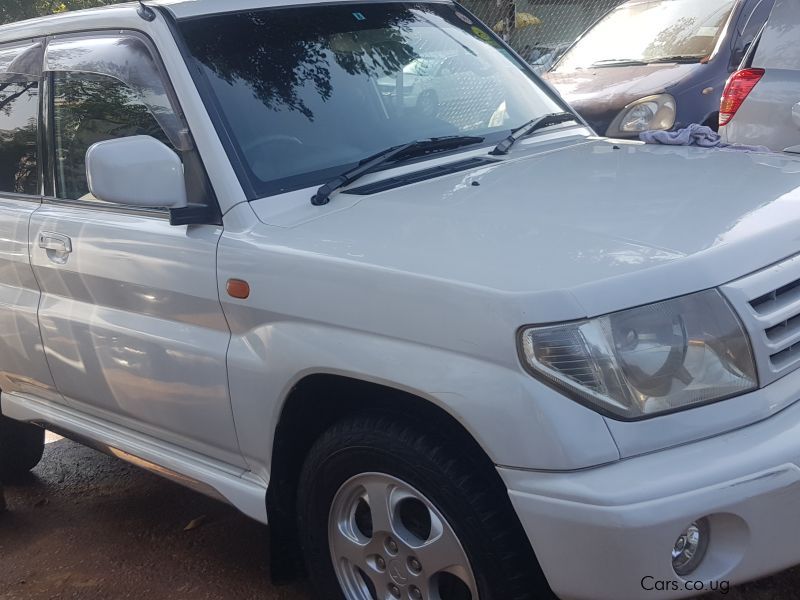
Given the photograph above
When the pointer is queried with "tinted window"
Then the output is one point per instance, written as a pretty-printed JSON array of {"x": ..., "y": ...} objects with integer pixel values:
[
  {"x": 779, "y": 47},
  {"x": 307, "y": 92},
  {"x": 89, "y": 109},
  {"x": 19, "y": 110},
  {"x": 128, "y": 58},
  {"x": 750, "y": 23},
  {"x": 651, "y": 31}
]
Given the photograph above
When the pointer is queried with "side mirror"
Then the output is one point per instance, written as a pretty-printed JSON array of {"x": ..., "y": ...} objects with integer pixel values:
[{"x": 136, "y": 171}]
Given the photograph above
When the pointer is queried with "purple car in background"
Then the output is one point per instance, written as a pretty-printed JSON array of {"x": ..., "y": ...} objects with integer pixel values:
[{"x": 657, "y": 64}]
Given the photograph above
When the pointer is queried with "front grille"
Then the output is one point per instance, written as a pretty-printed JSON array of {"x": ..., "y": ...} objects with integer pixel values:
[
  {"x": 777, "y": 299},
  {"x": 769, "y": 304},
  {"x": 778, "y": 312}
]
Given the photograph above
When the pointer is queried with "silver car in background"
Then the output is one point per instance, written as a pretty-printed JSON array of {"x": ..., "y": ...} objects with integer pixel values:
[{"x": 761, "y": 102}]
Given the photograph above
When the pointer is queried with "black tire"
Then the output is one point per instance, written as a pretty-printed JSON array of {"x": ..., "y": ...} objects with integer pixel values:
[
  {"x": 461, "y": 486},
  {"x": 21, "y": 448}
]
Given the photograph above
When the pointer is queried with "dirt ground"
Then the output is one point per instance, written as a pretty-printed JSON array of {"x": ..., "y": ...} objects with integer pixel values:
[{"x": 89, "y": 527}]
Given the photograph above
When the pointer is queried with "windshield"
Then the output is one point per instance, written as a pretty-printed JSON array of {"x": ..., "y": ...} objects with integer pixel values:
[
  {"x": 649, "y": 31},
  {"x": 304, "y": 93}
]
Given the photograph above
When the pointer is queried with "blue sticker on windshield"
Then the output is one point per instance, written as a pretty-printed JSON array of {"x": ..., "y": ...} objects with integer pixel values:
[{"x": 359, "y": 16}]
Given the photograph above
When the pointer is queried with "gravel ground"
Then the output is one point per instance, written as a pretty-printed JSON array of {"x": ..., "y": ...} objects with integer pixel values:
[{"x": 89, "y": 527}]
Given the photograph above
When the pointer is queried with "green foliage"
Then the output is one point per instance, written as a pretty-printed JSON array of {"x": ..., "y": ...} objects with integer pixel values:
[
  {"x": 90, "y": 109},
  {"x": 17, "y": 10}
]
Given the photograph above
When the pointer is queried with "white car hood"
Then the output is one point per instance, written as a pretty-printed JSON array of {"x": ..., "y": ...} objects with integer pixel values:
[{"x": 587, "y": 229}]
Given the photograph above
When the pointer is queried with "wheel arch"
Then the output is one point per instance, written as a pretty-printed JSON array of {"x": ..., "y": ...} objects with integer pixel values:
[{"x": 313, "y": 404}]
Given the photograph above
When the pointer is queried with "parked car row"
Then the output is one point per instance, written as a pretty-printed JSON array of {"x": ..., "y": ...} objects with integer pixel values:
[
  {"x": 661, "y": 64},
  {"x": 657, "y": 64}
]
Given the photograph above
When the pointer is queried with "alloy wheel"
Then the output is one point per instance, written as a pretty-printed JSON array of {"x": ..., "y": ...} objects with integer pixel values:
[{"x": 389, "y": 542}]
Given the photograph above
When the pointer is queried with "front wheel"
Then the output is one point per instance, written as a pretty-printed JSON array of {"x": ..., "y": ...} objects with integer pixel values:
[{"x": 389, "y": 512}]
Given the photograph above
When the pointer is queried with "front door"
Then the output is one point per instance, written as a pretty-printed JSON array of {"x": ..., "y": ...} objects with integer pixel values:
[
  {"x": 23, "y": 368},
  {"x": 130, "y": 314}
]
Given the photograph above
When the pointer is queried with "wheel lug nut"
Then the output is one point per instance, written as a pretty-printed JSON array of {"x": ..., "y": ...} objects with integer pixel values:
[
  {"x": 380, "y": 563},
  {"x": 394, "y": 590},
  {"x": 414, "y": 565},
  {"x": 391, "y": 546},
  {"x": 414, "y": 593}
]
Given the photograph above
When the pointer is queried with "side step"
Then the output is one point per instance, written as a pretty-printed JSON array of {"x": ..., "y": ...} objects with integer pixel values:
[{"x": 233, "y": 485}]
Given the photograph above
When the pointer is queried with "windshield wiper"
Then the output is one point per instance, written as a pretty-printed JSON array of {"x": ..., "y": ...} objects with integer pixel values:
[
  {"x": 682, "y": 58},
  {"x": 393, "y": 154},
  {"x": 619, "y": 62},
  {"x": 531, "y": 127}
]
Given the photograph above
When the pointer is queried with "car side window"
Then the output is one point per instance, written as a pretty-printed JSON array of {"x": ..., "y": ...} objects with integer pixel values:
[
  {"x": 750, "y": 25},
  {"x": 105, "y": 86},
  {"x": 19, "y": 118},
  {"x": 87, "y": 109}
]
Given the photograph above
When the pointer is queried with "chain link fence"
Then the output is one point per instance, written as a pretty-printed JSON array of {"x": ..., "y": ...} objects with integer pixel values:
[{"x": 540, "y": 30}]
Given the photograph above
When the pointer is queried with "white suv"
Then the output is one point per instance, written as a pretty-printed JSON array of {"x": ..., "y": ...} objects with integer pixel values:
[{"x": 450, "y": 353}]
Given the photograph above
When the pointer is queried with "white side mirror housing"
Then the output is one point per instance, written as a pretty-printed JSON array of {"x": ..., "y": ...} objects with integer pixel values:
[{"x": 136, "y": 171}]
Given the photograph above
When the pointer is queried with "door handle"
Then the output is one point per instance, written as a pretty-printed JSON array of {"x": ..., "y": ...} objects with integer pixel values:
[{"x": 55, "y": 242}]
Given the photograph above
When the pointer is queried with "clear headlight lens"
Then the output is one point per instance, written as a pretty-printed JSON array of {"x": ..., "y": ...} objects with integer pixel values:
[
  {"x": 648, "y": 114},
  {"x": 648, "y": 360}
]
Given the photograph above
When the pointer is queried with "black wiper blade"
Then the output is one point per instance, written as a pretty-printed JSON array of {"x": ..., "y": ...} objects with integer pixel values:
[
  {"x": 409, "y": 150},
  {"x": 683, "y": 58},
  {"x": 619, "y": 62},
  {"x": 531, "y": 127}
]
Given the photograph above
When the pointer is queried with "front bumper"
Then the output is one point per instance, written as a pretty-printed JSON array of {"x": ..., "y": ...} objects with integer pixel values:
[{"x": 607, "y": 532}]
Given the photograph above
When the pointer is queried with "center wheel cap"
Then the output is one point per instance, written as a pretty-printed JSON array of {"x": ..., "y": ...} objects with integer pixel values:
[{"x": 397, "y": 573}]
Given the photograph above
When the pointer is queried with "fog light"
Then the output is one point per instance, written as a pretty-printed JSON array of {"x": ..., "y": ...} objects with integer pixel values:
[{"x": 690, "y": 547}]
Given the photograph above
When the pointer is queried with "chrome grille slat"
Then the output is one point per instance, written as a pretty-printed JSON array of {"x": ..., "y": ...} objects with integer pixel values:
[
  {"x": 784, "y": 343},
  {"x": 785, "y": 334},
  {"x": 777, "y": 299},
  {"x": 779, "y": 315},
  {"x": 786, "y": 358},
  {"x": 768, "y": 303}
]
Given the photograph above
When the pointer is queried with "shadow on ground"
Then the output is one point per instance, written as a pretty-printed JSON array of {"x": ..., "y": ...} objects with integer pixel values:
[
  {"x": 91, "y": 527},
  {"x": 88, "y": 526}
]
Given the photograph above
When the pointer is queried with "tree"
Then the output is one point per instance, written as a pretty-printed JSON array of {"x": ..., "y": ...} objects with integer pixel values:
[
  {"x": 18, "y": 145},
  {"x": 276, "y": 62},
  {"x": 17, "y": 10}
]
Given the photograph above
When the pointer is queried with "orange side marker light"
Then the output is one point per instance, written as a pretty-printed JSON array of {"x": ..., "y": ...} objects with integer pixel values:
[{"x": 238, "y": 288}]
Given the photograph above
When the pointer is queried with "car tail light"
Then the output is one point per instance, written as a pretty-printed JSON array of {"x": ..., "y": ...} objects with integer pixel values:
[{"x": 736, "y": 91}]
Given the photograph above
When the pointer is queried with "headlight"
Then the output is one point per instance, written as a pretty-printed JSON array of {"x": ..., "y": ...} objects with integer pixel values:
[
  {"x": 646, "y": 361},
  {"x": 647, "y": 114}
]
